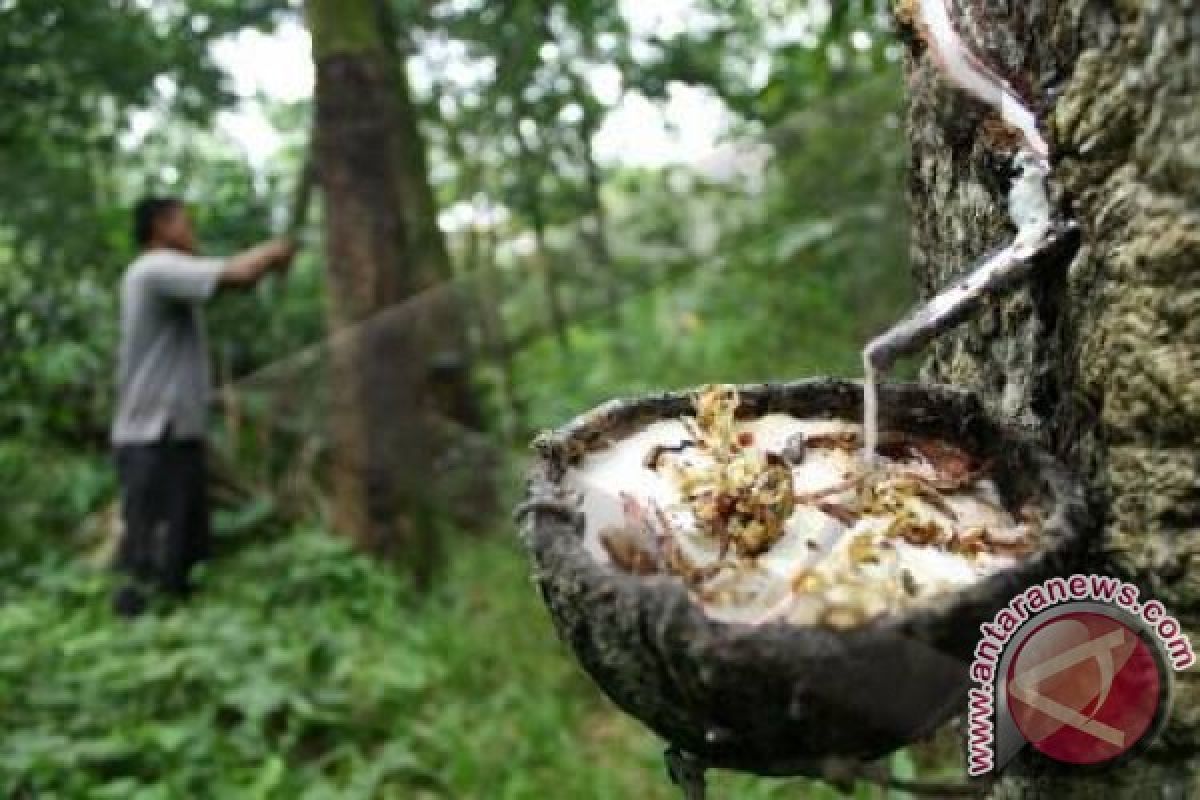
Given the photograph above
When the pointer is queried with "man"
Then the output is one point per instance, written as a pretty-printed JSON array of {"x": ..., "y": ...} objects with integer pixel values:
[{"x": 163, "y": 387}]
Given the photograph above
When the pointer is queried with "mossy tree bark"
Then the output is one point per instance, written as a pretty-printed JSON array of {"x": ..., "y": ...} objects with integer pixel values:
[
  {"x": 1102, "y": 353},
  {"x": 391, "y": 333}
]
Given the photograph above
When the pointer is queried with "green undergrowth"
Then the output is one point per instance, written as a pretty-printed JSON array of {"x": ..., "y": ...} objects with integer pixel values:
[{"x": 304, "y": 670}]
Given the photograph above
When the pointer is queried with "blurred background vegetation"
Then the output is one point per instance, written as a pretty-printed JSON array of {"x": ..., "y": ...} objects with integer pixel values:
[{"x": 305, "y": 668}]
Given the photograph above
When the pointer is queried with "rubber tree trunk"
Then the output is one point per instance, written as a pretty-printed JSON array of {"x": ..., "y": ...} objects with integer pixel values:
[
  {"x": 382, "y": 336},
  {"x": 1102, "y": 353}
]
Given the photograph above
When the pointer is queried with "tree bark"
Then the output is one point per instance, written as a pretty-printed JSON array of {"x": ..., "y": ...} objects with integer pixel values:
[
  {"x": 500, "y": 350},
  {"x": 529, "y": 170},
  {"x": 597, "y": 236},
  {"x": 1101, "y": 354},
  {"x": 379, "y": 376}
]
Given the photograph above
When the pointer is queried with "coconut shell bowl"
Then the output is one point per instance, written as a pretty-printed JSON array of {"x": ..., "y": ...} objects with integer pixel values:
[{"x": 767, "y": 694}]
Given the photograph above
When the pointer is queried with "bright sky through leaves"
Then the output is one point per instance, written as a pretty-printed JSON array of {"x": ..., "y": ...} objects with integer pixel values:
[{"x": 277, "y": 66}]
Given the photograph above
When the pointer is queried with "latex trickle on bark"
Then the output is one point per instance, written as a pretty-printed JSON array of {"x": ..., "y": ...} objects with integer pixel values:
[{"x": 1029, "y": 209}]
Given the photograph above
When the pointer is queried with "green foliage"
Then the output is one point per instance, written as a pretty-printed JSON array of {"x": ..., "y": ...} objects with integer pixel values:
[
  {"x": 44, "y": 490},
  {"x": 71, "y": 76},
  {"x": 303, "y": 670},
  {"x": 801, "y": 274},
  {"x": 344, "y": 26}
]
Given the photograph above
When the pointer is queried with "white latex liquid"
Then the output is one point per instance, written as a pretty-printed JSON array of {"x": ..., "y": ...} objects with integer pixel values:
[
  {"x": 1029, "y": 206},
  {"x": 970, "y": 73},
  {"x": 762, "y": 589},
  {"x": 870, "y": 410}
]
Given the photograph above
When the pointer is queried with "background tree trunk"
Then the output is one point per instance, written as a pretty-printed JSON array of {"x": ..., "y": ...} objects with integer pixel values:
[
  {"x": 429, "y": 256},
  {"x": 1102, "y": 353},
  {"x": 379, "y": 372}
]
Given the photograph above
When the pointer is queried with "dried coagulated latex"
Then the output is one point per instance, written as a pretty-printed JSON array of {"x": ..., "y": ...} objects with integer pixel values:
[{"x": 778, "y": 518}]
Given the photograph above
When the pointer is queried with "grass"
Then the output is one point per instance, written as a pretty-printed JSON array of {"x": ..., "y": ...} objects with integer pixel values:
[{"x": 304, "y": 670}]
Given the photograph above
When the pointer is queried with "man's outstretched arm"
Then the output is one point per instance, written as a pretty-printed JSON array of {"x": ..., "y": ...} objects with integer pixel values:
[
  {"x": 249, "y": 266},
  {"x": 194, "y": 279}
]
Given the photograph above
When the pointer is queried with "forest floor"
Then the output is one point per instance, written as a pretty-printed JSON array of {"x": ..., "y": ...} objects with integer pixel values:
[{"x": 303, "y": 670}]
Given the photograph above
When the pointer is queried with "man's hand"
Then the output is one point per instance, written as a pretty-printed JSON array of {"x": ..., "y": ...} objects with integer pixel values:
[
  {"x": 248, "y": 267},
  {"x": 287, "y": 253}
]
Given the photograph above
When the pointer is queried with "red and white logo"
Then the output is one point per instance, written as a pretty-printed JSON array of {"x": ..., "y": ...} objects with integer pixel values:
[{"x": 1084, "y": 688}]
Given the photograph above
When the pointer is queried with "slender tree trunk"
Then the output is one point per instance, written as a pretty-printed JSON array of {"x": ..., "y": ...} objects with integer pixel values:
[
  {"x": 378, "y": 371},
  {"x": 501, "y": 350},
  {"x": 484, "y": 289},
  {"x": 1102, "y": 353},
  {"x": 601, "y": 251},
  {"x": 475, "y": 301},
  {"x": 529, "y": 171},
  {"x": 548, "y": 270}
]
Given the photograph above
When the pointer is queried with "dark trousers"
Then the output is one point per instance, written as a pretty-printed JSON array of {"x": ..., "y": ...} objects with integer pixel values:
[{"x": 164, "y": 500}]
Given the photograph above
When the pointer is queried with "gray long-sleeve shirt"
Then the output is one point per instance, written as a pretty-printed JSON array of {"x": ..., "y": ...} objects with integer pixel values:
[{"x": 163, "y": 375}]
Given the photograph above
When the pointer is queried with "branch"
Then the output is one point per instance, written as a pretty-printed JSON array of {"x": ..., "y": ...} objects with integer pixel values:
[
  {"x": 302, "y": 196},
  {"x": 586, "y": 311}
]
